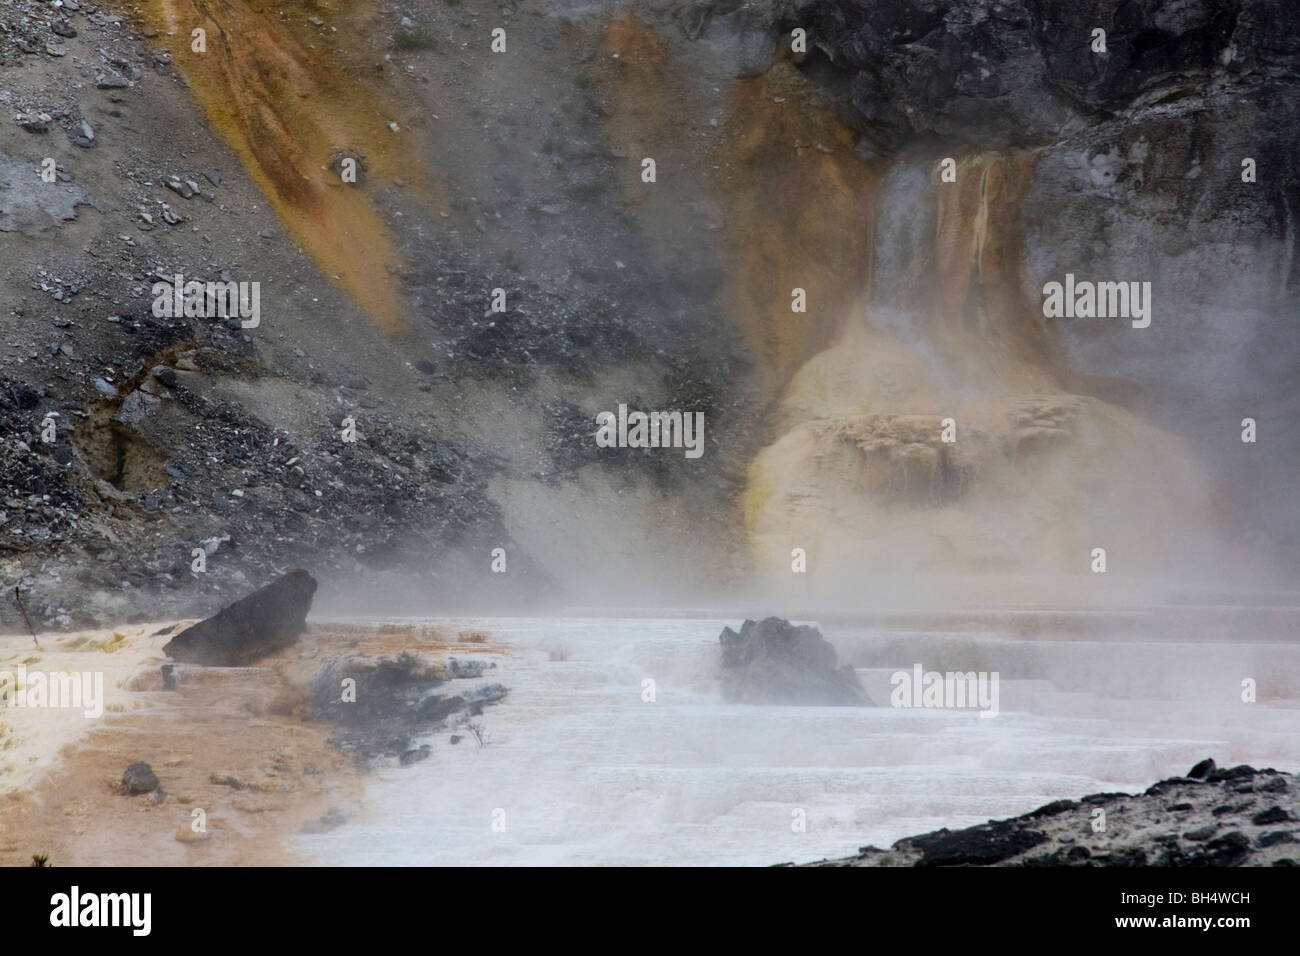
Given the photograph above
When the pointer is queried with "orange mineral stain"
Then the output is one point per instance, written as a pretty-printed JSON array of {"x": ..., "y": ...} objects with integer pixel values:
[{"x": 286, "y": 102}]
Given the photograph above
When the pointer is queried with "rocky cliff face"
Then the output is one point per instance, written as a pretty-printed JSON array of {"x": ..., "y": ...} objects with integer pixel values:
[{"x": 778, "y": 168}]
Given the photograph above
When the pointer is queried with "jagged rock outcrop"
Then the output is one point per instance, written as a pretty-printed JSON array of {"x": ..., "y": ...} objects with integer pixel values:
[
  {"x": 268, "y": 620},
  {"x": 380, "y": 704},
  {"x": 1237, "y": 816},
  {"x": 775, "y": 662}
]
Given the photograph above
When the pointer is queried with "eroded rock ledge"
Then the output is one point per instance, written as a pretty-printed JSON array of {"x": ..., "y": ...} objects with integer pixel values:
[{"x": 1211, "y": 817}]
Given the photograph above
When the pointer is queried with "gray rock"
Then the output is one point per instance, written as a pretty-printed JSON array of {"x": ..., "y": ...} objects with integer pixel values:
[
  {"x": 775, "y": 662},
  {"x": 139, "y": 778},
  {"x": 31, "y": 207},
  {"x": 266, "y": 621},
  {"x": 171, "y": 675},
  {"x": 105, "y": 387}
]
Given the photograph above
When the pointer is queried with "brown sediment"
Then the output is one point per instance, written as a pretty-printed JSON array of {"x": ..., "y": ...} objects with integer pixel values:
[
  {"x": 642, "y": 86},
  {"x": 286, "y": 97},
  {"x": 799, "y": 214},
  {"x": 230, "y": 742},
  {"x": 979, "y": 255}
]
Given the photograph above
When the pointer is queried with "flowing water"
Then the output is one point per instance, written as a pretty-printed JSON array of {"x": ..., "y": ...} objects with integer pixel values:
[{"x": 587, "y": 772}]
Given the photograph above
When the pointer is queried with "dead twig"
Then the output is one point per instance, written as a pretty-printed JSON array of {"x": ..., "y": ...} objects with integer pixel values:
[{"x": 31, "y": 630}]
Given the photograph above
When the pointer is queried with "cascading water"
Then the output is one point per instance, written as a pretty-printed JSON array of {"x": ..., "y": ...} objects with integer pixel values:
[
  {"x": 583, "y": 765},
  {"x": 940, "y": 434}
]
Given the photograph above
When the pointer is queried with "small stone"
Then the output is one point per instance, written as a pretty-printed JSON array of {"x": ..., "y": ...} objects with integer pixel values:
[
  {"x": 105, "y": 388},
  {"x": 171, "y": 675},
  {"x": 414, "y": 755},
  {"x": 39, "y": 123},
  {"x": 1274, "y": 837},
  {"x": 64, "y": 29},
  {"x": 333, "y": 819},
  {"x": 190, "y": 836},
  {"x": 1272, "y": 815},
  {"x": 139, "y": 778}
]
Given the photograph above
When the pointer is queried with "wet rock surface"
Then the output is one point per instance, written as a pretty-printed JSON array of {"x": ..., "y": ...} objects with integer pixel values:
[
  {"x": 775, "y": 662},
  {"x": 1213, "y": 817},
  {"x": 381, "y": 705},
  {"x": 266, "y": 621}
]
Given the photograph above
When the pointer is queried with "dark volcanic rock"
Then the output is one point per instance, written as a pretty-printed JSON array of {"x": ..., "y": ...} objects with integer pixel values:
[
  {"x": 380, "y": 703},
  {"x": 976, "y": 846},
  {"x": 775, "y": 662},
  {"x": 1136, "y": 830},
  {"x": 268, "y": 620},
  {"x": 332, "y": 820},
  {"x": 1271, "y": 815},
  {"x": 139, "y": 778}
]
